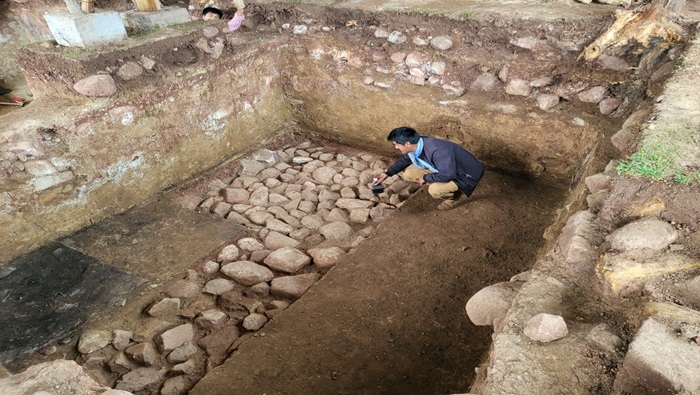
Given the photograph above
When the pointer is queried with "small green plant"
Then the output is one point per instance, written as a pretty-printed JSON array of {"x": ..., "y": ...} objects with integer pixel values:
[
  {"x": 682, "y": 178},
  {"x": 142, "y": 32},
  {"x": 466, "y": 15},
  {"x": 421, "y": 11},
  {"x": 658, "y": 156}
]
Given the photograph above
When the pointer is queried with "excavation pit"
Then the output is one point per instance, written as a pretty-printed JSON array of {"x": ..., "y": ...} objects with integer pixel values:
[{"x": 388, "y": 317}]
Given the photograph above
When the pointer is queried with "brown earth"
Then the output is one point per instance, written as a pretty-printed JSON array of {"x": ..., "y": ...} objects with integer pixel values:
[{"x": 390, "y": 317}]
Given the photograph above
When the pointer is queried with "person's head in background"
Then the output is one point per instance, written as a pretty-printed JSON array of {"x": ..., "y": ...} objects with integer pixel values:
[{"x": 211, "y": 13}]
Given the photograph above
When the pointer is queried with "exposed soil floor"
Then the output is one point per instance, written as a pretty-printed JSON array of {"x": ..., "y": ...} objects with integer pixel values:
[{"x": 389, "y": 318}]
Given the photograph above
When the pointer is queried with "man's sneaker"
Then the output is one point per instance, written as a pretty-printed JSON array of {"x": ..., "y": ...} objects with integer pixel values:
[{"x": 449, "y": 204}]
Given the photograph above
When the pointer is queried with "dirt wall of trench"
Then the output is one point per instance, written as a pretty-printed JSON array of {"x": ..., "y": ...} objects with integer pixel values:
[{"x": 192, "y": 110}]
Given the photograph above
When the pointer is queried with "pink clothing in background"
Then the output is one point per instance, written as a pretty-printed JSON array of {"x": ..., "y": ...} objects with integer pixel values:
[{"x": 236, "y": 22}]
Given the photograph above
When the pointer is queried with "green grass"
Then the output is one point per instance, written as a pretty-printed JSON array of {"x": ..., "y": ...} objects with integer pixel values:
[
  {"x": 466, "y": 15},
  {"x": 421, "y": 11},
  {"x": 144, "y": 32},
  {"x": 658, "y": 156}
]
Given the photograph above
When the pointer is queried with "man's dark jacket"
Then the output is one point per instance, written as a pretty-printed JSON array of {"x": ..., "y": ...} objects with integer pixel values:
[{"x": 452, "y": 162}]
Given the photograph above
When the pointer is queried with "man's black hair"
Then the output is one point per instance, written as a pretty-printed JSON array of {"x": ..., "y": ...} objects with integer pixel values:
[
  {"x": 213, "y": 10},
  {"x": 404, "y": 135}
]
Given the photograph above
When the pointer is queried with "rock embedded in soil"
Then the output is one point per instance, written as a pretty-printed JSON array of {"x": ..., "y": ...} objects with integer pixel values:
[
  {"x": 142, "y": 379},
  {"x": 167, "y": 307},
  {"x": 546, "y": 328},
  {"x": 211, "y": 319},
  {"x": 649, "y": 233},
  {"x": 658, "y": 361},
  {"x": 247, "y": 272},
  {"x": 93, "y": 340},
  {"x": 490, "y": 305},
  {"x": 292, "y": 287},
  {"x": 100, "y": 85},
  {"x": 325, "y": 257},
  {"x": 174, "y": 338},
  {"x": 254, "y": 322},
  {"x": 287, "y": 259}
]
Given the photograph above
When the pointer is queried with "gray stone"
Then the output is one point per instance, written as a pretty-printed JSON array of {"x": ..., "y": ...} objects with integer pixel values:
[
  {"x": 259, "y": 217},
  {"x": 300, "y": 29},
  {"x": 217, "y": 343},
  {"x": 184, "y": 352},
  {"x": 352, "y": 204},
  {"x": 146, "y": 379},
  {"x": 267, "y": 156},
  {"x": 337, "y": 215},
  {"x": 607, "y": 106},
  {"x": 188, "y": 367},
  {"x": 218, "y": 286},
  {"x": 210, "y": 267},
  {"x": 174, "y": 338},
  {"x": 313, "y": 222},
  {"x": 64, "y": 375},
  {"x": 287, "y": 259},
  {"x": 229, "y": 253},
  {"x": 100, "y": 85},
  {"x": 278, "y": 226},
  {"x": 151, "y": 328},
  {"x": 518, "y": 87},
  {"x": 121, "y": 339},
  {"x": 597, "y": 182},
  {"x": 292, "y": 287},
  {"x": 649, "y": 233},
  {"x": 210, "y": 31},
  {"x": 121, "y": 364},
  {"x": 396, "y": 37},
  {"x": 360, "y": 215},
  {"x": 485, "y": 82},
  {"x": 143, "y": 353},
  {"x": 259, "y": 256},
  {"x": 236, "y": 302},
  {"x": 326, "y": 257},
  {"x": 541, "y": 82},
  {"x": 148, "y": 63},
  {"x": 254, "y": 322},
  {"x": 93, "y": 340},
  {"x": 604, "y": 339},
  {"x": 130, "y": 71},
  {"x": 178, "y": 385},
  {"x": 503, "y": 73},
  {"x": 546, "y": 328},
  {"x": 259, "y": 290},
  {"x": 612, "y": 63},
  {"x": 45, "y": 182},
  {"x": 251, "y": 167},
  {"x": 593, "y": 95},
  {"x": 336, "y": 230},
  {"x": 416, "y": 59},
  {"x": 659, "y": 362},
  {"x": 275, "y": 241},
  {"x": 211, "y": 319},
  {"x": 236, "y": 195},
  {"x": 490, "y": 305},
  {"x": 166, "y": 307},
  {"x": 39, "y": 168},
  {"x": 381, "y": 33},
  {"x": 452, "y": 90},
  {"x": 260, "y": 197},
  {"x": 441, "y": 43},
  {"x": 578, "y": 239},
  {"x": 547, "y": 101},
  {"x": 247, "y": 272}
]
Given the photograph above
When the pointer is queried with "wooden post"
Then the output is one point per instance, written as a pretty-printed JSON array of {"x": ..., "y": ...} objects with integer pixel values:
[
  {"x": 88, "y": 6},
  {"x": 147, "y": 5}
]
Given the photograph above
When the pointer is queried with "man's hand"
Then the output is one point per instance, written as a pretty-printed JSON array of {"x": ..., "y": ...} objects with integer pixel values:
[
  {"x": 380, "y": 179},
  {"x": 421, "y": 180}
]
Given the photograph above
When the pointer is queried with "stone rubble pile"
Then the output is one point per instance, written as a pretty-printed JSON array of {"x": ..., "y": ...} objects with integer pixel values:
[{"x": 305, "y": 207}]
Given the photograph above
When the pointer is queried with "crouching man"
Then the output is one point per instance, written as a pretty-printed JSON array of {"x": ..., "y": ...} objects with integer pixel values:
[{"x": 451, "y": 171}]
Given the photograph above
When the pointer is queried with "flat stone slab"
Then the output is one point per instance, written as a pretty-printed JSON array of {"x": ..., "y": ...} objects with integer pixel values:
[{"x": 48, "y": 294}]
